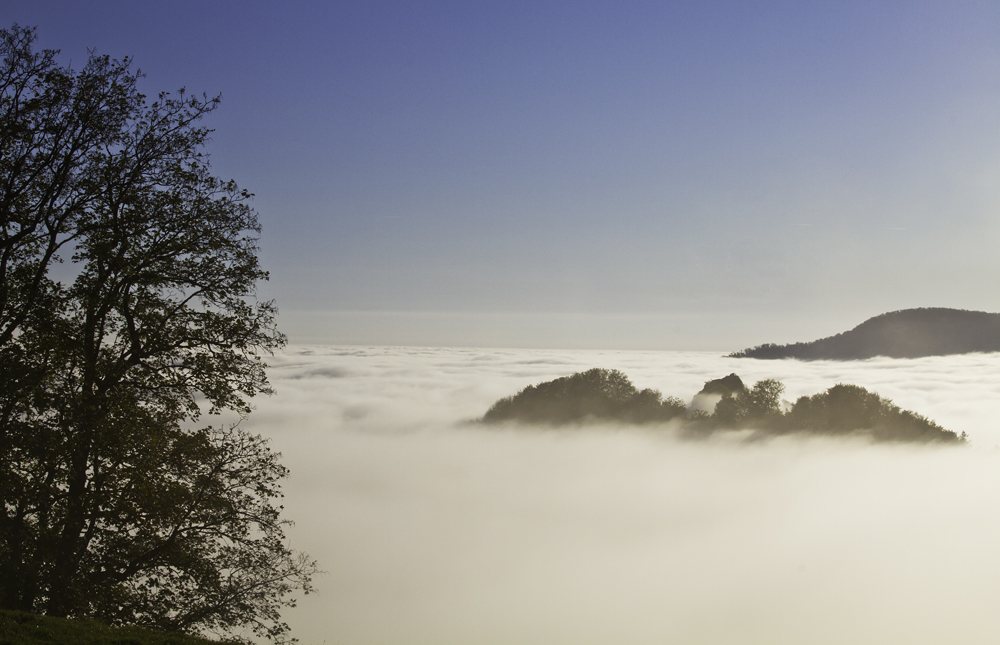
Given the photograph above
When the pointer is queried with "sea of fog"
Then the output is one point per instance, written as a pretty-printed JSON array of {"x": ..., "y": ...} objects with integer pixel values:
[{"x": 433, "y": 530}]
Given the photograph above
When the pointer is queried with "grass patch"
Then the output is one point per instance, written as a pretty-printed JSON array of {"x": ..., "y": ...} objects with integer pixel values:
[{"x": 22, "y": 628}]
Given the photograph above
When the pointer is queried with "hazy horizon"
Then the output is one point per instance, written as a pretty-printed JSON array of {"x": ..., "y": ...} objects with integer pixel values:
[
  {"x": 705, "y": 331},
  {"x": 704, "y": 175}
]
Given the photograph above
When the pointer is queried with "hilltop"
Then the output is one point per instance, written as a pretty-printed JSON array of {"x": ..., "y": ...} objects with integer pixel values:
[{"x": 908, "y": 333}]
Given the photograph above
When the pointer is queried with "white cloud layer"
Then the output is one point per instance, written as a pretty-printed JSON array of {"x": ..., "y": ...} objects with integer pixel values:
[{"x": 435, "y": 531}]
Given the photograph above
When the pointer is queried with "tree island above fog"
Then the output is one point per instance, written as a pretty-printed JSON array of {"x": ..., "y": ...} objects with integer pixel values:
[
  {"x": 602, "y": 395},
  {"x": 909, "y": 333}
]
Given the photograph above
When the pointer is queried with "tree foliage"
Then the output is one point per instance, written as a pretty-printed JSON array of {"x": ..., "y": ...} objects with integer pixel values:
[
  {"x": 127, "y": 304},
  {"x": 845, "y": 409},
  {"x": 757, "y": 405}
]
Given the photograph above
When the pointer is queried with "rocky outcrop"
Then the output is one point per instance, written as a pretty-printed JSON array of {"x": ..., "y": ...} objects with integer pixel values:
[
  {"x": 714, "y": 391},
  {"x": 727, "y": 385}
]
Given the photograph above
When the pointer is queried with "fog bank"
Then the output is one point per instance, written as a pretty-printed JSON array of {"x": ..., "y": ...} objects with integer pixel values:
[{"x": 437, "y": 531}]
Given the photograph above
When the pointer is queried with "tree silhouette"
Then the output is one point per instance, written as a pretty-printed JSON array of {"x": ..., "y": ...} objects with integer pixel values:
[{"x": 116, "y": 505}]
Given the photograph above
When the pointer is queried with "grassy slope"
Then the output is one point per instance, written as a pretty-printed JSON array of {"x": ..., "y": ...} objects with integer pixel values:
[{"x": 19, "y": 628}]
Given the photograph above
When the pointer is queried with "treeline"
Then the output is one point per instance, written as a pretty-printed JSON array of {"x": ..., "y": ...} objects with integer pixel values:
[
  {"x": 603, "y": 395},
  {"x": 909, "y": 333}
]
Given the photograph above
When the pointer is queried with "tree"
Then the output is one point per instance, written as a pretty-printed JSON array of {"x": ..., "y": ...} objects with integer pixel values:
[
  {"x": 763, "y": 399},
  {"x": 847, "y": 409},
  {"x": 759, "y": 404},
  {"x": 127, "y": 304}
]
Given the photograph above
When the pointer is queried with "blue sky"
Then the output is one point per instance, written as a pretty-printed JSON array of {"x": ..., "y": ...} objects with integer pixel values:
[{"x": 639, "y": 175}]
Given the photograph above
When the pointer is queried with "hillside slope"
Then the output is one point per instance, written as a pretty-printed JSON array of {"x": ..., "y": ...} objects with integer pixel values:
[{"x": 909, "y": 333}]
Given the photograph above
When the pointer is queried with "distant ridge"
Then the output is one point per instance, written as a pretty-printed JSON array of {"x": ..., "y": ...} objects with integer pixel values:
[{"x": 909, "y": 333}]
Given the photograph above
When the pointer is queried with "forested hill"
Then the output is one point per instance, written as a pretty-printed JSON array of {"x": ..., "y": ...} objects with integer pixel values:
[
  {"x": 608, "y": 396},
  {"x": 909, "y": 333}
]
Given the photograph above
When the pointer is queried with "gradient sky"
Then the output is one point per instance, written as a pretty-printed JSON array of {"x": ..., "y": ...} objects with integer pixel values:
[{"x": 586, "y": 174}]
